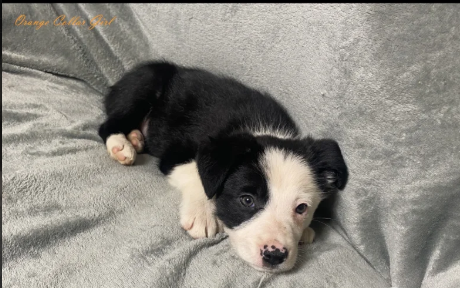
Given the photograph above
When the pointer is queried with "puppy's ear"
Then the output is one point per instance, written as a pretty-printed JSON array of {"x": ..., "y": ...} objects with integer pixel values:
[
  {"x": 326, "y": 159},
  {"x": 218, "y": 156}
]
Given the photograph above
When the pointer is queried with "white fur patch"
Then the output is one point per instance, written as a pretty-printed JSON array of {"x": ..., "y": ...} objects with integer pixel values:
[
  {"x": 290, "y": 183},
  {"x": 279, "y": 132},
  {"x": 290, "y": 180},
  {"x": 126, "y": 154},
  {"x": 196, "y": 212}
]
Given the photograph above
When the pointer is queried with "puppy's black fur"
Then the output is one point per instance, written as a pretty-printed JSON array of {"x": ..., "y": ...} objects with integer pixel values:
[{"x": 195, "y": 115}]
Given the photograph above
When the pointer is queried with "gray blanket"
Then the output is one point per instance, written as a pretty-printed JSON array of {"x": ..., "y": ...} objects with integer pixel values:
[{"x": 384, "y": 80}]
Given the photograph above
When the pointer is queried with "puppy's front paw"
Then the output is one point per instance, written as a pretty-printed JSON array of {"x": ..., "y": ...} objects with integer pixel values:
[
  {"x": 307, "y": 237},
  {"x": 198, "y": 219},
  {"x": 121, "y": 149}
]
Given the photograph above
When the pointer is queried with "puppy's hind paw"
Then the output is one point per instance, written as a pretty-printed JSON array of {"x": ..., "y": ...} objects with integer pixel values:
[
  {"x": 121, "y": 149},
  {"x": 137, "y": 140}
]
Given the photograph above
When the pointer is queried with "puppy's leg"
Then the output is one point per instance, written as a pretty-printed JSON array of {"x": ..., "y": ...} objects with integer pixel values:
[
  {"x": 308, "y": 236},
  {"x": 196, "y": 212},
  {"x": 128, "y": 104}
]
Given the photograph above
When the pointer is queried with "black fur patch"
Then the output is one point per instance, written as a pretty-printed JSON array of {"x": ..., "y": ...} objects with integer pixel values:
[{"x": 245, "y": 179}]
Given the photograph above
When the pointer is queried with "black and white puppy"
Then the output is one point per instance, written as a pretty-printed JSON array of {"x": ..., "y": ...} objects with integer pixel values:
[{"x": 234, "y": 153}]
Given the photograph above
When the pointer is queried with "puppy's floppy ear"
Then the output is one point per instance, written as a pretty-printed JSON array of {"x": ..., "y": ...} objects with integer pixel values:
[
  {"x": 325, "y": 158},
  {"x": 218, "y": 156}
]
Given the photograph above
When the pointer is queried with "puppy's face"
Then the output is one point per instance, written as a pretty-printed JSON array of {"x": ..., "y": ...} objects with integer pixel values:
[{"x": 266, "y": 191}]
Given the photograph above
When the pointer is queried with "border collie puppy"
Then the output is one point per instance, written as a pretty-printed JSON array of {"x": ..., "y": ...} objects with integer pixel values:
[{"x": 234, "y": 153}]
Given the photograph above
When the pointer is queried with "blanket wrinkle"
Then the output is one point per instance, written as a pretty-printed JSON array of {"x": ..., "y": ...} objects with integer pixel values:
[{"x": 15, "y": 246}]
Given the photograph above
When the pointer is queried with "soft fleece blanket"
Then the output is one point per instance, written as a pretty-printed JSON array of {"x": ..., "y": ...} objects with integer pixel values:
[{"x": 384, "y": 80}]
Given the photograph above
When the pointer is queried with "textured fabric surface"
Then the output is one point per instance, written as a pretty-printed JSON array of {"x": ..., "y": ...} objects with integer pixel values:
[{"x": 381, "y": 79}]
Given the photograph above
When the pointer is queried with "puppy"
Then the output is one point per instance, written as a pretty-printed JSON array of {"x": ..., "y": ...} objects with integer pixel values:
[{"x": 234, "y": 153}]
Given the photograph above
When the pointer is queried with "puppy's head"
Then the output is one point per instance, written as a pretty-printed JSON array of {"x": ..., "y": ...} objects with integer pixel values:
[{"x": 267, "y": 189}]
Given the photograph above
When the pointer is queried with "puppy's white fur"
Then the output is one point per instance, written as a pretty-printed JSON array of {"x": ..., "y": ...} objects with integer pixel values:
[
  {"x": 290, "y": 183},
  {"x": 197, "y": 211},
  {"x": 308, "y": 236},
  {"x": 127, "y": 153},
  {"x": 278, "y": 133}
]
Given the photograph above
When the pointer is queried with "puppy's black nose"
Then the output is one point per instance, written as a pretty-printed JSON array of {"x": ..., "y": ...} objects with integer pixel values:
[{"x": 274, "y": 257}]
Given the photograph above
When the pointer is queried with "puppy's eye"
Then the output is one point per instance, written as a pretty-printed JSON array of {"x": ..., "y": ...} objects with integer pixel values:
[
  {"x": 301, "y": 208},
  {"x": 247, "y": 201}
]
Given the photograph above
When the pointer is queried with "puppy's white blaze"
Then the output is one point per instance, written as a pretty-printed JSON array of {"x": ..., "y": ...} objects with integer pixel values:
[
  {"x": 290, "y": 180},
  {"x": 290, "y": 183},
  {"x": 197, "y": 212}
]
